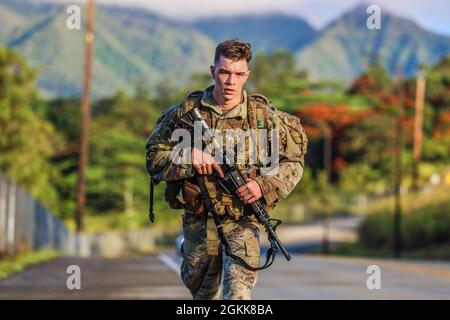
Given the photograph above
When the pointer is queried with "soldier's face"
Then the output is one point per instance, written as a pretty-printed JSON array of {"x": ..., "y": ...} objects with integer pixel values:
[{"x": 230, "y": 77}]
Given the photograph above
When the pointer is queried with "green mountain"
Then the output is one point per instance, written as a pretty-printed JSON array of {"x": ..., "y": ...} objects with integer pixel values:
[
  {"x": 265, "y": 32},
  {"x": 134, "y": 44},
  {"x": 346, "y": 45},
  {"x": 130, "y": 45}
]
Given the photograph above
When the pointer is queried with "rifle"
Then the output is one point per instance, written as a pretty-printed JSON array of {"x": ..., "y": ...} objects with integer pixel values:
[{"x": 233, "y": 179}]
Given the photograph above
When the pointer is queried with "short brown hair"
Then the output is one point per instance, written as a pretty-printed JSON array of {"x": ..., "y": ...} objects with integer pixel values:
[{"x": 233, "y": 49}]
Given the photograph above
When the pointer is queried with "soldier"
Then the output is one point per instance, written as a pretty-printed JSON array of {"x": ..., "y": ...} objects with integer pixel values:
[{"x": 225, "y": 105}]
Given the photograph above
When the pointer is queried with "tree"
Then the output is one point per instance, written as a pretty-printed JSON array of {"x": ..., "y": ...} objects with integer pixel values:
[
  {"x": 26, "y": 140},
  {"x": 374, "y": 82},
  {"x": 337, "y": 119},
  {"x": 275, "y": 72},
  {"x": 116, "y": 174},
  {"x": 438, "y": 96}
]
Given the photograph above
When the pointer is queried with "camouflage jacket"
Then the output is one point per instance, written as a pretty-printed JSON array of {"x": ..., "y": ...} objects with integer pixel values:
[{"x": 254, "y": 112}]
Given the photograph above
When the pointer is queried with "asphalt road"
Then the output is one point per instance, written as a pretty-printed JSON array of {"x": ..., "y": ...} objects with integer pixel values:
[
  {"x": 304, "y": 277},
  {"x": 119, "y": 278}
]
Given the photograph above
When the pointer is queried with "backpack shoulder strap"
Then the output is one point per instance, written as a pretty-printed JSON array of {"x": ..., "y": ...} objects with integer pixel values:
[
  {"x": 259, "y": 110},
  {"x": 259, "y": 97},
  {"x": 192, "y": 100}
]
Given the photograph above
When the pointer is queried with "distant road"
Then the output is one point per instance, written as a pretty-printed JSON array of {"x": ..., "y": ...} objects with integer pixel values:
[{"x": 300, "y": 237}]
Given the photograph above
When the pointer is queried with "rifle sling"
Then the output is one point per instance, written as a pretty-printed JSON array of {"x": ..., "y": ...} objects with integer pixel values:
[{"x": 271, "y": 252}]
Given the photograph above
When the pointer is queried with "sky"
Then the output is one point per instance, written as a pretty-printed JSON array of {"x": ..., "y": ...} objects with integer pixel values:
[{"x": 430, "y": 14}]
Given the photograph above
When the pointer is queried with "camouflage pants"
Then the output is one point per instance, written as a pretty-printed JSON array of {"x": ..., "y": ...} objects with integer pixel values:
[{"x": 204, "y": 261}]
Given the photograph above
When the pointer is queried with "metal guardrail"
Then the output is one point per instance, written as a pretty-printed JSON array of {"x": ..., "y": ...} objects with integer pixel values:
[{"x": 26, "y": 224}]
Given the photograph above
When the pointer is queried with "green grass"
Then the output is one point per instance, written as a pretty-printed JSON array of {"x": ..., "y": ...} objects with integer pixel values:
[
  {"x": 17, "y": 263},
  {"x": 425, "y": 227},
  {"x": 420, "y": 228}
]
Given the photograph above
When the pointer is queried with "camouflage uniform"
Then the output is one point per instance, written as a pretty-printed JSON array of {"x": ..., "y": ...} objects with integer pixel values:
[{"x": 203, "y": 260}]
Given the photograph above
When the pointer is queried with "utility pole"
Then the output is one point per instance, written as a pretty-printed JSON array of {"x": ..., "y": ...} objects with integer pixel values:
[
  {"x": 418, "y": 129},
  {"x": 85, "y": 115},
  {"x": 397, "y": 232}
]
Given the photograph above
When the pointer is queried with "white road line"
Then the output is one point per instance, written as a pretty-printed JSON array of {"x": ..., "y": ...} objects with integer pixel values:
[{"x": 168, "y": 261}]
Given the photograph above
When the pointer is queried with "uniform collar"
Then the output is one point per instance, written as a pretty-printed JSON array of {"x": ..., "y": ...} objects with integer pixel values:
[{"x": 238, "y": 111}]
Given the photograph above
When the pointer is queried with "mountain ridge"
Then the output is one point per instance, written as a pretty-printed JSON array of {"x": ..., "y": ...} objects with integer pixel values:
[{"x": 135, "y": 44}]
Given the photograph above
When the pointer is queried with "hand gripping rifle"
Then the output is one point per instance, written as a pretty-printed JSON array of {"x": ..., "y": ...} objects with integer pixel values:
[{"x": 233, "y": 179}]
